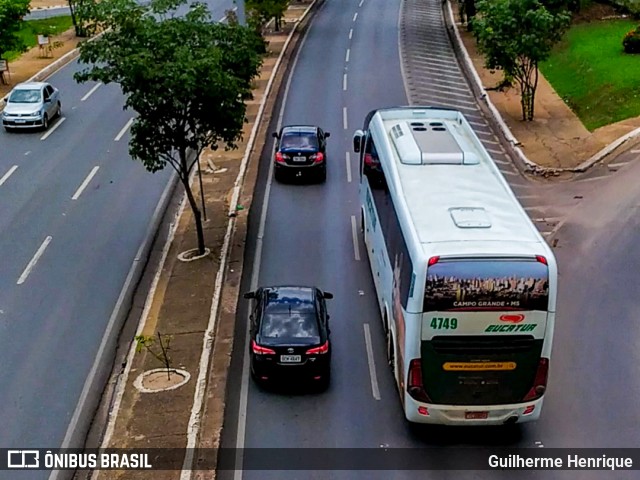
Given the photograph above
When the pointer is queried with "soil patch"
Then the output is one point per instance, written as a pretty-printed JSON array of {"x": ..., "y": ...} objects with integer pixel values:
[
  {"x": 595, "y": 12},
  {"x": 35, "y": 4}
]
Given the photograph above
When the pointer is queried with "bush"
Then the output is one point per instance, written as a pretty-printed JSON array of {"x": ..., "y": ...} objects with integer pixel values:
[{"x": 631, "y": 41}]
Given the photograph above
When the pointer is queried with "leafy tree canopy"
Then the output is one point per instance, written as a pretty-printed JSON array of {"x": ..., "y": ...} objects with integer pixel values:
[
  {"x": 267, "y": 9},
  {"x": 186, "y": 77},
  {"x": 515, "y": 36},
  {"x": 11, "y": 13}
]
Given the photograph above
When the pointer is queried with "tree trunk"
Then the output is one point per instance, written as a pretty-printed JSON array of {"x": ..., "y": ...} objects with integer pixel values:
[
  {"x": 197, "y": 215},
  {"x": 528, "y": 86}
]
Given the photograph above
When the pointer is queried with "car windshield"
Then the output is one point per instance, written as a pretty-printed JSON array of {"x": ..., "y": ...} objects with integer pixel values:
[
  {"x": 291, "y": 320},
  {"x": 305, "y": 141},
  {"x": 25, "y": 96}
]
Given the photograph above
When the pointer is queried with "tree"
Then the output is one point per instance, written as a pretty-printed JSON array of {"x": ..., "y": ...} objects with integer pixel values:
[
  {"x": 515, "y": 36},
  {"x": 11, "y": 13},
  {"x": 78, "y": 25},
  {"x": 265, "y": 10},
  {"x": 186, "y": 77}
]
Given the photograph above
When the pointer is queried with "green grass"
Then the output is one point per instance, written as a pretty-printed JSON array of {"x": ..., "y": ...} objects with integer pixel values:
[
  {"x": 593, "y": 75},
  {"x": 31, "y": 28}
]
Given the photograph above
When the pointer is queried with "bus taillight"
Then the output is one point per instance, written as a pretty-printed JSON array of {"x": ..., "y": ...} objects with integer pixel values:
[
  {"x": 432, "y": 261},
  {"x": 414, "y": 382},
  {"x": 540, "y": 382},
  {"x": 541, "y": 259}
]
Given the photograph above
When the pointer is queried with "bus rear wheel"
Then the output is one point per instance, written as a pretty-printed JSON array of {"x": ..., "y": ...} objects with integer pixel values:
[{"x": 391, "y": 354}]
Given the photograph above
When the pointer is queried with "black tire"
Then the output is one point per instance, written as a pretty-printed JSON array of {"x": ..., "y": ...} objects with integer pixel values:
[
  {"x": 391, "y": 354},
  {"x": 45, "y": 122},
  {"x": 59, "y": 110},
  {"x": 322, "y": 175},
  {"x": 8, "y": 129},
  {"x": 279, "y": 177}
]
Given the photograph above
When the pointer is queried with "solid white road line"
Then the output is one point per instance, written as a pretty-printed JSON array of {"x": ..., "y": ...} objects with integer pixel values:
[
  {"x": 346, "y": 58},
  {"x": 344, "y": 82},
  {"x": 90, "y": 92},
  {"x": 53, "y": 128},
  {"x": 355, "y": 16},
  {"x": 6, "y": 176},
  {"x": 84, "y": 184},
  {"x": 348, "y": 161},
  {"x": 123, "y": 131},
  {"x": 344, "y": 117},
  {"x": 361, "y": 2},
  {"x": 34, "y": 260},
  {"x": 350, "y": 33},
  {"x": 635, "y": 151},
  {"x": 354, "y": 236},
  {"x": 244, "y": 382},
  {"x": 375, "y": 391}
]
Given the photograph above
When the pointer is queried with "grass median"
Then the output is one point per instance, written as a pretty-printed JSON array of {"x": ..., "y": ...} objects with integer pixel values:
[
  {"x": 32, "y": 28},
  {"x": 591, "y": 73}
]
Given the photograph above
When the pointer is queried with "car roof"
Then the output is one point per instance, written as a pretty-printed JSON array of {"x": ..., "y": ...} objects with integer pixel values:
[
  {"x": 30, "y": 85},
  {"x": 300, "y": 129}
]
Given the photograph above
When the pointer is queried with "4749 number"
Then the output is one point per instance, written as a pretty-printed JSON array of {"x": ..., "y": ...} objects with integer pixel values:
[{"x": 444, "y": 323}]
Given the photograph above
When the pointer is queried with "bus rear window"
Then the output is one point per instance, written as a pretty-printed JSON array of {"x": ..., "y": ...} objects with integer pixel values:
[{"x": 491, "y": 284}]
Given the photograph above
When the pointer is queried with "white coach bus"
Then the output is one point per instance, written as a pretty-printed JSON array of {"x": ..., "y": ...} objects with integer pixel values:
[{"x": 465, "y": 283}]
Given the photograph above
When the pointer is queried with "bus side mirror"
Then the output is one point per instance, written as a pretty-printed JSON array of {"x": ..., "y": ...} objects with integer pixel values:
[
  {"x": 357, "y": 140},
  {"x": 327, "y": 295},
  {"x": 250, "y": 295},
  {"x": 327, "y": 134}
]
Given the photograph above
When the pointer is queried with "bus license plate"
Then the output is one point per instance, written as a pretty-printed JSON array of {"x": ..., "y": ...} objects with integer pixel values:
[
  {"x": 290, "y": 358},
  {"x": 299, "y": 159},
  {"x": 476, "y": 415}
]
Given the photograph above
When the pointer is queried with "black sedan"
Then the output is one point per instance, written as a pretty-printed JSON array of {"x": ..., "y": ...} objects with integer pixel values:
[
  {"x": 290, "y": 334},
  {"x": 301, "y": 150}
]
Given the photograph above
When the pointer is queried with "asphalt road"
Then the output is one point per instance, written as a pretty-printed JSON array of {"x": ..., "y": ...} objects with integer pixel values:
[
  {"x": 308, "y": 239},
  {"x": 74, "y": 209}
]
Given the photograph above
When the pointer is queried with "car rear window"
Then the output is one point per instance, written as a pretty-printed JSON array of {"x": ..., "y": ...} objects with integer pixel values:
[
  {"x": 290, "y": 321},
  {"x": 299, "y": 140}
]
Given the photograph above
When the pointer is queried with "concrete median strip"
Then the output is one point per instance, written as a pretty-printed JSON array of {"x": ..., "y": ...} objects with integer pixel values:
[{"x": 181, "y": 294}]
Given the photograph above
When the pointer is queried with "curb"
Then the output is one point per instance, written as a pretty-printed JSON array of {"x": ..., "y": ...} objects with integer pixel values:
[{"x": 498, "y": 120}]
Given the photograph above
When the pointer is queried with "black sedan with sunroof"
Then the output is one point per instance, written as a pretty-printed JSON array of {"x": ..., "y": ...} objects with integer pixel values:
[
  {"x": 290, "y": 334},
  {"x": 301, "y": 150}
]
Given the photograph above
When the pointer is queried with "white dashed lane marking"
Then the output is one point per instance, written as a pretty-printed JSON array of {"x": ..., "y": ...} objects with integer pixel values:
[
  {"x": 53, "y": 128},
  {"x": 90, "y": 92},
  {"x": 34, "y": 260},
  {"x": 84, "y": 184},
  {"x": 123, "y": 131},
  {"x": 6, "y": 176}
]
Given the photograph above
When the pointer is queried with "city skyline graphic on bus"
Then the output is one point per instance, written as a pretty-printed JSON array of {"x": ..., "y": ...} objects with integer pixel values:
[{"x": 475, "y": 285}]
